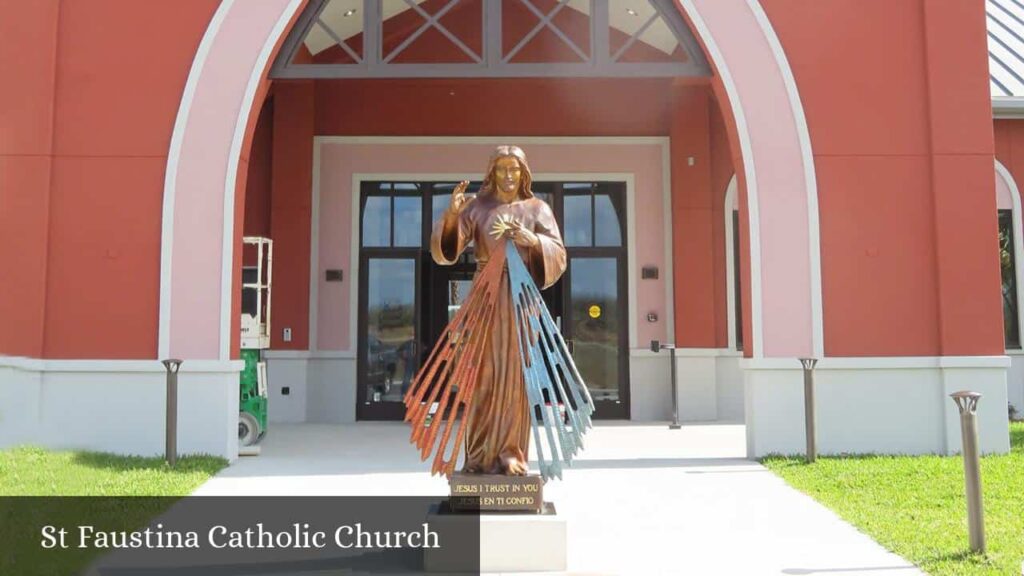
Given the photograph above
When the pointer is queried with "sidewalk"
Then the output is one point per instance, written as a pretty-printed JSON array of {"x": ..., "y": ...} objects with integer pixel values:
[{"x": 641, "y": 500}]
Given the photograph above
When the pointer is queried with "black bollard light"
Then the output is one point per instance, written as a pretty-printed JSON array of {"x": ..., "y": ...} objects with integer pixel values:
[
  {"x": 171, "y": 431},
  {"x": 967, "y": 403},
  {"x": 656, "y": 346},
  {"x": 810, "y": 418}
]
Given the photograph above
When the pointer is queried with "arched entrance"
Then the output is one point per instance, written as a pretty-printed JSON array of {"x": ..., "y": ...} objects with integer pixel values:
[
  {"x": 217, "y": 115},
  {"x": 230, "y": 75}
]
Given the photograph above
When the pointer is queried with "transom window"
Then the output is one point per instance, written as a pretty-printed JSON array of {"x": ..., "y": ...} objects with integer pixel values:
[
  {"x": 392, "y": 212},
  {"x": 490, "y": 38},
  {"x": 591, "y": 215},
  {"x": 392, "y": 216}
]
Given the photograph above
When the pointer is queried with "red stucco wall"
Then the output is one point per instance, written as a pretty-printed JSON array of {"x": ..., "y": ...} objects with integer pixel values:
[
  {"x": 513, "y": 107},
  {"x": 86, "y": 132},
  {"x": 897, "y": 104},
  {"x": 692, "y": 219},
  {"x": 1009, "y": 142},
  {"x": 257, "y": 193},
  {"x": 26, "y": 157},
  {"x": 291, "y": 210}
]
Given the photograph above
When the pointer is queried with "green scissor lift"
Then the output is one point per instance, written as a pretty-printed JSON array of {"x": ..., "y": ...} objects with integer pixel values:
[{"x": 252, "y": 399}]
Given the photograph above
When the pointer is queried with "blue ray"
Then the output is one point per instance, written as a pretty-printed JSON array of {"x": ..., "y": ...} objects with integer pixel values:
[{"x": 548, "y": 371}]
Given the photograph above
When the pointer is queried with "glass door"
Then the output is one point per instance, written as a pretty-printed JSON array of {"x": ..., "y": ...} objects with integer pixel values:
[
  {"x": 594, "y": 294},
  {"x": 389, "y": 356},
  {"x": 594, "y": 328},
  {"x": 389, "y": 301}
]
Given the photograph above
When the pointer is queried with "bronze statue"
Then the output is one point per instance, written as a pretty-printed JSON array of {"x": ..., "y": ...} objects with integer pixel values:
[{"x": 501, "y": 359}]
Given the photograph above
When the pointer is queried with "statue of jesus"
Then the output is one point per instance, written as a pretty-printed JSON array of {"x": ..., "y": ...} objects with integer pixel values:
[{"x": 501, "y": 354}]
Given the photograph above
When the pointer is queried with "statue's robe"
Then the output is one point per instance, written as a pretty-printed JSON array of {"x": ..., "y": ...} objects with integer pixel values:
[{"x": 498, "y": 415}]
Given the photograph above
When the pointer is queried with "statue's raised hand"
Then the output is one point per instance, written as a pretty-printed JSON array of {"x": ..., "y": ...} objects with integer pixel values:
[{"x": 459, "y": 200}]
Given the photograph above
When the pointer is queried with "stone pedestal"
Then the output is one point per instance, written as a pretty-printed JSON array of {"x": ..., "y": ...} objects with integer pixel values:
[
  {"x": 519, "y": 532},
  {"x": 509, "y": 542}
]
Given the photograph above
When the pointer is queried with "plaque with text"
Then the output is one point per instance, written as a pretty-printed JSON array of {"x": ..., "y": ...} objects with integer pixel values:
[{"x": 496, "y": 493}]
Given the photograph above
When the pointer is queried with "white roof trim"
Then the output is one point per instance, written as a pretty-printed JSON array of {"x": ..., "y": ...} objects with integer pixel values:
[{"x": 1008, "y": 107}]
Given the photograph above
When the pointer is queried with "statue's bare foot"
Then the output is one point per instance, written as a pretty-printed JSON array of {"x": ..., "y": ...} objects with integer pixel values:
[{"x": 513, "y": 466}]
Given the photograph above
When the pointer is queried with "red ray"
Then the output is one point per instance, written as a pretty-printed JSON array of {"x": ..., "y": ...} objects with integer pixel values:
[{"x": 455, "y": 359}]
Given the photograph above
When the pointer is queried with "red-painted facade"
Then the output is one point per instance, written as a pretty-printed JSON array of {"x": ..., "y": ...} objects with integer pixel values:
[
  {"x": 898, "y": 109},
  {"x": 896, "y": 102},
  {"x": 84, "y": 139},
  {"x": 1009, "y": 143}
]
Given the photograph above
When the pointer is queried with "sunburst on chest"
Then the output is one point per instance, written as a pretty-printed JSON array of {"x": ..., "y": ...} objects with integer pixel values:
[{"x": 503, "y": 223}]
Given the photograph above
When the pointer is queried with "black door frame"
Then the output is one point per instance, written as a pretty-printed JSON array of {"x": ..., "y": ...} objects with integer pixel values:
[
  {"x": 430, "y": 276},
  {"x": 365, "y": 409}
]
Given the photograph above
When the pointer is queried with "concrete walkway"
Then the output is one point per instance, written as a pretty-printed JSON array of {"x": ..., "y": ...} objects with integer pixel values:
[{"x": 641, "y": 500}]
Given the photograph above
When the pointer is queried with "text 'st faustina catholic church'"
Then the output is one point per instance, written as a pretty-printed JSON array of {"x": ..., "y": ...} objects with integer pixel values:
[{"x": 300, "y": 536}]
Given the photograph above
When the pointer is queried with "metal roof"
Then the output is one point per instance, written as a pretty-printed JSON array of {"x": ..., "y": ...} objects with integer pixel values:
[{"x": 1005, "y": 47}]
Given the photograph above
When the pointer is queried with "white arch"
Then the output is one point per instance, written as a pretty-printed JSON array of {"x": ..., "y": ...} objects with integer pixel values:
[
  {"x": 259, "y": 26},
  {"x": 697, "y": 17},
  {"x": 234, "y": 156},
  {"x": 171, "y": 177},
  {"x": 249, "y": 31},
  {"x": 810, "y": 179},
  {"x": 1018, "y": 234}
]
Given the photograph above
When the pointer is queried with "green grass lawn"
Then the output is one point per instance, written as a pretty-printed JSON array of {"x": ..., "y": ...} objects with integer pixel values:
[
  {"x": 43, "y": 474},
  {"x": 915, "y": 506},
  {"x": 36, "y": 472}
]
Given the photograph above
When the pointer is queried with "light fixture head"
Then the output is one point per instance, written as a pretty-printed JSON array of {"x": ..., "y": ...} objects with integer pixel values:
[
  {"x": 349, "y": 12},
  {"x": 631, "y": 12}
]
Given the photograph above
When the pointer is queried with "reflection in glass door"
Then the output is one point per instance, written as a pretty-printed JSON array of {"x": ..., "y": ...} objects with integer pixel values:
[
  {"x": 595, "y": 324},
  {"x": 389, "y": 355},
  {"x": 447, "y": 292},
  {"x": 457, "y": 292}
]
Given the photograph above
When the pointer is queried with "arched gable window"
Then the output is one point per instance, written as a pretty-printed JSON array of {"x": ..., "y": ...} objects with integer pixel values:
[{"x": 1008, "y": 204}]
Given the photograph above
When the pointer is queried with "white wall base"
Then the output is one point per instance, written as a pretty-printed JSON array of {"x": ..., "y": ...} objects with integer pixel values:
[
  {"x": 709, "y": 385},
  {"x": 729, "y": 387},
  {"x": 286, "y": 373},
  {"x": 649, "y": 390},
  {"x": 322, "y": 387},
  {"x": 332, "y": 390},
  {"x": 118, "y": 406},
  {"x": 1015, "y": 381},
  {"x": 20, "y": 414},
  {"x": 874, "y": 405}
]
